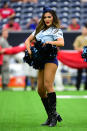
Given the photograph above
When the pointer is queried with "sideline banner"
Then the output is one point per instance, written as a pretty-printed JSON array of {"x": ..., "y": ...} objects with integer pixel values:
[{"x": 72, "y": 59}]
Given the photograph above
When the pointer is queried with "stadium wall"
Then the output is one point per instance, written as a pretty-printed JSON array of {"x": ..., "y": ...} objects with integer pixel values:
[{"x": 16, "y": 38}]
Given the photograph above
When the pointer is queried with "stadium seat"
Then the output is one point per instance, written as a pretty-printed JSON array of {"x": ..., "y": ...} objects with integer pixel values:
[
  {"x": 17, "y": 20},
  {"x": 18, "y": 15},
  {"x": 27, "y": 5},
  {"x": 64, "y": 10},
  {"x": 62, "y": 5},
  {"x": 24, "y": 16},
  {"x": 39, "y": 15},
  {"x": 75, "y": 15},
  {"x": 82, "y": 21},
  {"x": 18, "y": 10},
  {"x": 74, "y": 5},
  {"x": 16, "y": 4},
  {"x": 84, "y": 10},
  {"x": 75, "y": 10},
  {"x": 84, "y": 16}
]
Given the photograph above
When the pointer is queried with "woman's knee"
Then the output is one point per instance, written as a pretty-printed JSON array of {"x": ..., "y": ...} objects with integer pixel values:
[{"x": 48, "y": 86}]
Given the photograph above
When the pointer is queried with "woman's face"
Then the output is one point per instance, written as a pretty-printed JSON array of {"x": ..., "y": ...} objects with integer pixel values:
[{"x": 48, "y": 19}]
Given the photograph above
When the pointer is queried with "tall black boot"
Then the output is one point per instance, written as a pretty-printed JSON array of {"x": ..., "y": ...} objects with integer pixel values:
[
  {"x": 52, "y": 104},
  {"x": 47, "y": 108}
]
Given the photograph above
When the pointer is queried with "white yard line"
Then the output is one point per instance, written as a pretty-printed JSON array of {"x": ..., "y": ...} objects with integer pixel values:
[{"x": 72, "y": 97}]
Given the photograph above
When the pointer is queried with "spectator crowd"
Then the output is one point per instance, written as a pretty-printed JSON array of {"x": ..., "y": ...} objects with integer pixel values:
[{"x": 13, "y": 18}]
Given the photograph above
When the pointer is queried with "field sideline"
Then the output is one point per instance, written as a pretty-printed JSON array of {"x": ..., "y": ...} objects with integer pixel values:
[{"x": 23, "y": 111}]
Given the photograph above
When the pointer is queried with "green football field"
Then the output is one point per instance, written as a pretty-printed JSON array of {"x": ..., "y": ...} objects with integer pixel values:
[{"x": 23, "y": 111}]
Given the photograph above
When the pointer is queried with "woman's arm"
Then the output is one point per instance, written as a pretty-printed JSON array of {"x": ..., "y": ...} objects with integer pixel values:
[
  {"x": 59, "y": 42},
  {"x": 28, "y": 42}
]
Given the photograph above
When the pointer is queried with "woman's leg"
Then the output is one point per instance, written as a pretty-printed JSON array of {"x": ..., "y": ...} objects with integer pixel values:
[
  {"x": 40, "y": 84},
  {"x": 49, "y": 75},
  {"x": 43, "y": 94}
]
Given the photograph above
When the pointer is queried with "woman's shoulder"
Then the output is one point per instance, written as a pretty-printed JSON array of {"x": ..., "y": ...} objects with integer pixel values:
[
  {"x": 55, "y": 30},
  {"x": 57, "y": 33}
]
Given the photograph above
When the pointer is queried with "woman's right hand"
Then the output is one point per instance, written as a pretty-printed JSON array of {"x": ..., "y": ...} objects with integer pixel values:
[
  {"x": 28, "y": 43},
  {"x": 29, "y": 51}
]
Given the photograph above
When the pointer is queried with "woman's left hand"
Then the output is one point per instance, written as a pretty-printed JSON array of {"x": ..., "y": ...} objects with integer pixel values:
[{"x": 48, "y": 42}]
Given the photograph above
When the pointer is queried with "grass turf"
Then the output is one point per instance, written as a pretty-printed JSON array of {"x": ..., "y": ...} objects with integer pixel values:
[{"x": 23, "y": 111}]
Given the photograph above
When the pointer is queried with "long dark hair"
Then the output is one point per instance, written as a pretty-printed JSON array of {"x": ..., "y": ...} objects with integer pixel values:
[{"x": 42, "y": 25}]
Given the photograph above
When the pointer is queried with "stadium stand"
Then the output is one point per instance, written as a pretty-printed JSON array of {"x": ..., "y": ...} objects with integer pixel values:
[{"x": 66, "y": 9}]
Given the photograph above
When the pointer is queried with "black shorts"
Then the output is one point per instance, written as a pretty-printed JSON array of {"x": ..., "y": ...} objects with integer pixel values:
[{"x": 55, "y": 61}]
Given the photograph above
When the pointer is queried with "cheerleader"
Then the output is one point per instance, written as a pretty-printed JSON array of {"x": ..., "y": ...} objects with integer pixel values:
[{"x": 48, "y": 32}]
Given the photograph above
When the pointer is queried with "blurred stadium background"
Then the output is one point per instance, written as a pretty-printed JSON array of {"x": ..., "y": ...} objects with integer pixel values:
[
  {"x": 66, "y": 9},
  {"x": 22, "y": 110}
]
